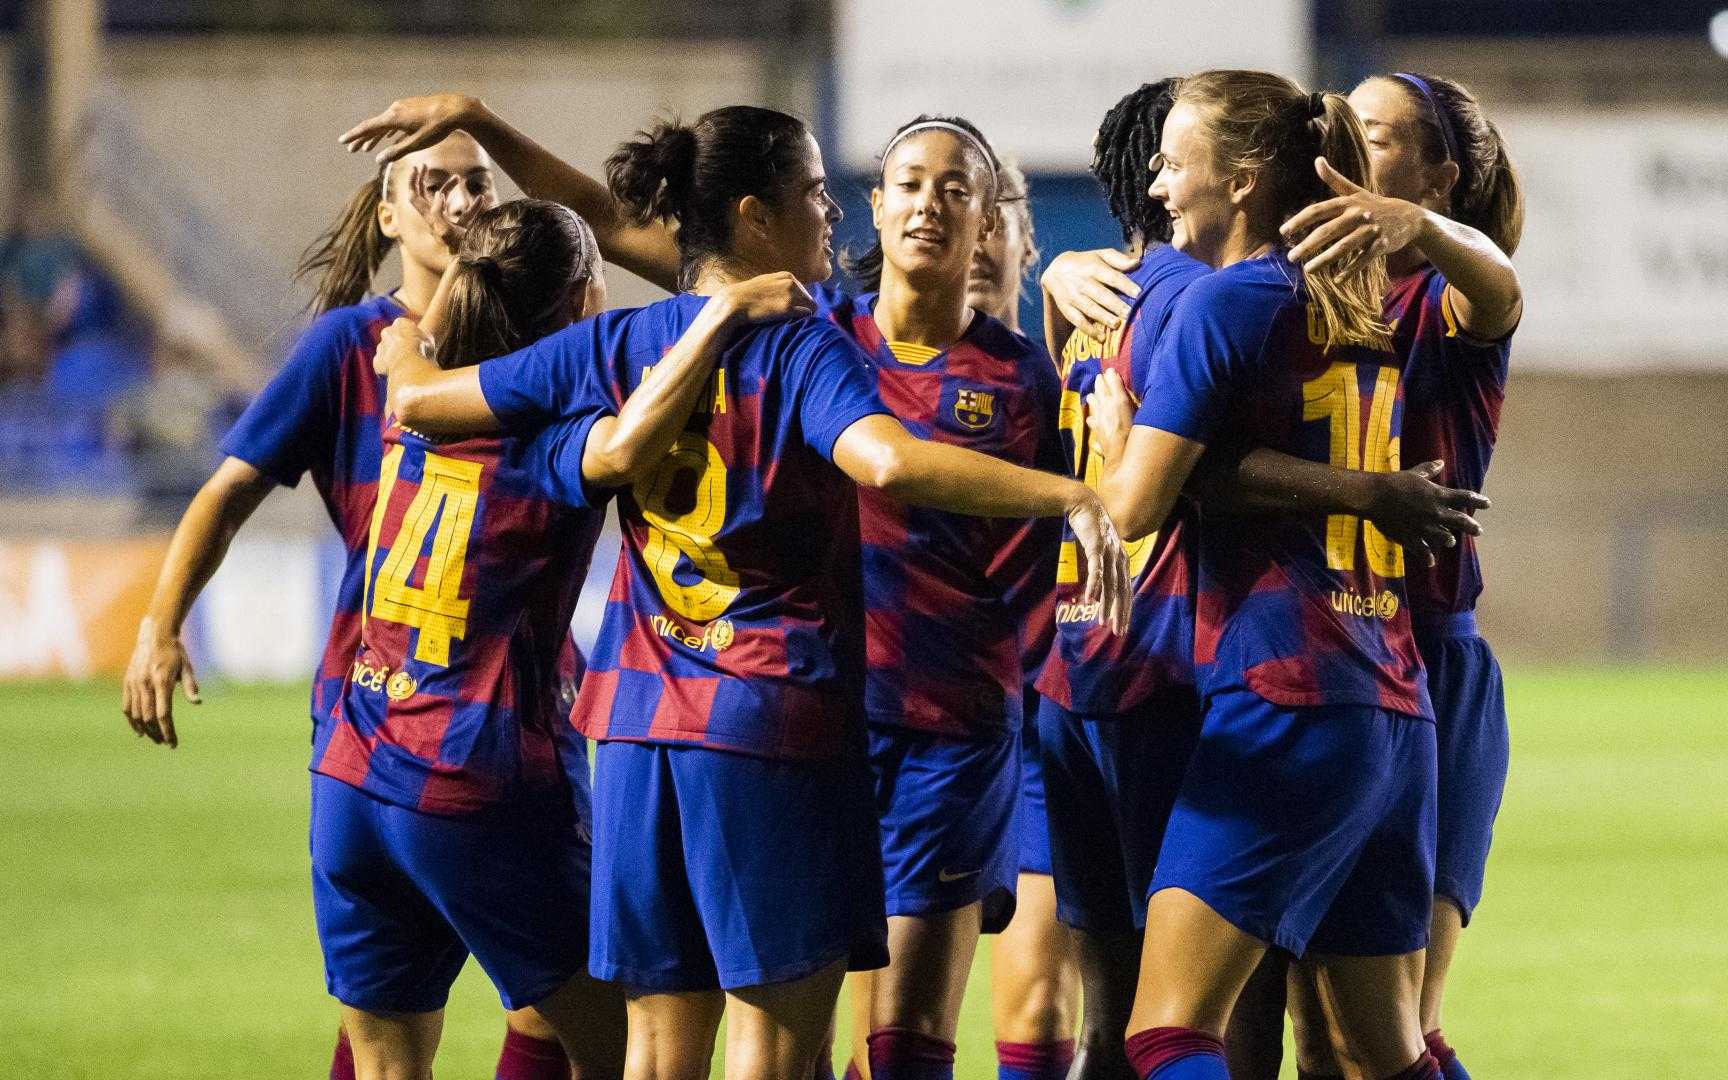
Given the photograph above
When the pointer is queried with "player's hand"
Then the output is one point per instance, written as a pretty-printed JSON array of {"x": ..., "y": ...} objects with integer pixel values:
[
  {"x": 1091, "y": 288},
  {"x": 1107, "y": 582},
  {"x": 434, "y": 206},
  {"x": 158, "y": 663},
  {"x": 401, "y": 340},
  {"x": 414, "y": 123},
  {"x": 1412, "y": 510},
  {"x": 764, "y": 298},
  {"x": 1109, "y": 415},
  {"x": 1357, "y": 224}
]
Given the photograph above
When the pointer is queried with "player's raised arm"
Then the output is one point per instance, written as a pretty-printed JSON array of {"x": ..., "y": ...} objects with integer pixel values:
[
  {"x": 646, "y": 249},
  {"x": 159, "y": 660}
]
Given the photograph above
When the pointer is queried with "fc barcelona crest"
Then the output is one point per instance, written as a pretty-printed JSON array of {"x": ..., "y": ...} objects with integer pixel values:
[{"x": 975, "y": 409}]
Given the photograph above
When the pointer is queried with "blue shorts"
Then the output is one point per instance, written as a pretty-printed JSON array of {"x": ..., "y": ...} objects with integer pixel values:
[
  {"x": 1110, "y": 784},
  {"x": 1474, "y": 749},
  {"x": 1309, "y": 828},
  {"x": 1031, "y": 823},
  {"x": 402, "y": 898},
  {"x": 948, "y": 828},
  {"x": 719, "y": 871}
]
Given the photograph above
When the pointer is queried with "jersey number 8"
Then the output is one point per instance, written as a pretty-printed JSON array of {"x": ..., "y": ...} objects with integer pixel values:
[{"x": 684, "y": 503}]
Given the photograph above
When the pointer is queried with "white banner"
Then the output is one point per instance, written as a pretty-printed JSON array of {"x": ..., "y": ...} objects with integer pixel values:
[
  {"x": 1038, "y": 75},
  {"x": 1625, "y": 253}
]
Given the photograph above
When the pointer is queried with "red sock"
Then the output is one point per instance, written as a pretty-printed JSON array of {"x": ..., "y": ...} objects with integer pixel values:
[
  {"x": 1424, "y": 1068},
  {"x": 342, "y": 1061},
  {"x": 852, "y": 1072},
  {"x": 1154, "y": 1048},
  {"x": 904, "y": 1054},
  {"x": 1437, "y": 1046},
  {"x": 523, "y": 1057},
  {"x": 1034, "y": 1061}
]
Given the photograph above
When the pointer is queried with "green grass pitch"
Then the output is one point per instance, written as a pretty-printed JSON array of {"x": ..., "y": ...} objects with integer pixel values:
[{"x": 158, "y": 921}]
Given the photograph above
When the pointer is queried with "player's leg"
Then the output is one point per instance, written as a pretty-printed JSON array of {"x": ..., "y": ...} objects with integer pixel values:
[
  {"x": 531, "y": 1050},
  {"x": 1034, "y": 978},
  {"x": 776, "y": 1031},
  {"x": 392, "y": 1046},
  {"x": 1034, "y": 984},
  {"x": 1473, "y": 754},
  {"x": 1254, "y": 1041},
  {"x": 860, "y": 989},
  {"x": 389, "y": 955},
  {"x": 1313, "y": 1032},
  {"x": 1276, "y": 808},
  {"x": 342, "y": 1058},
  {"x": 950, "y": 858},
  {"x": 672, "y": 1034}
]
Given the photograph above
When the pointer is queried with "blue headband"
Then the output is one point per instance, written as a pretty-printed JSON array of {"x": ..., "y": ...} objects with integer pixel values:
[{"x": 1446, "y": 135}]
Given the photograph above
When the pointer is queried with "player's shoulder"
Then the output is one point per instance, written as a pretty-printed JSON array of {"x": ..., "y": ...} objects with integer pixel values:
[
  {"x": 1163, "y": 266},
  {"x": 353, "y": 324},
  {"x": 1246, "y": 293},
  {"x": 1425, "y": 287}
]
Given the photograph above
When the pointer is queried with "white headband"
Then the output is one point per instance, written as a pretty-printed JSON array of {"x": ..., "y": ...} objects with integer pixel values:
[{"x": 928, "y": 125}]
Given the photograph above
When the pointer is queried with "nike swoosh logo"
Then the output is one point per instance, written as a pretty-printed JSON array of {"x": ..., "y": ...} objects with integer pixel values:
[{"x": 945, "y": 875}]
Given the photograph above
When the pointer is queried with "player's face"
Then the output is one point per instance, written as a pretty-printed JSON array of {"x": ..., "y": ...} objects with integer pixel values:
[
  {"x": 1192, "y": 188},
  {"x": 1394, "y": 127},
  {"x": 800, "y": 229},
  {"x": 932, "y": 207},
  {"x": 459, "y": 155},
  {"x": 998, "y": 263}
]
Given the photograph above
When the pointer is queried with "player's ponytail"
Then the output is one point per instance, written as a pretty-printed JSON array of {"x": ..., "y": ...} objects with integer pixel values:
[
  {"x": 866, "y": 269},
  {"x": 1487, "y": 195},
  {"x": 517, "y": 270},
  {"x": 1122, "y": 155},
  {"x": 348, "y": 254},
  {"x": 1264, "y": 124},
  {"x": 695, "y": 175}
]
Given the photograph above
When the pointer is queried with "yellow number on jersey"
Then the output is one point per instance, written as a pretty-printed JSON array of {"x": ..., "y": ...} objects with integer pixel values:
[
  {"x": 694, "y": 474},
  {"x": 1333, "y": 396},
  {"x": 1088, "y": 463},
  {"x": 449, "y": 491}
]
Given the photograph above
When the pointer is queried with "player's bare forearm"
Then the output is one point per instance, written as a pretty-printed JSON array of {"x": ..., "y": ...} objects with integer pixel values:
[
  {"x": 620, "y": 449},
  {"x": 649, "y": 251},
  {"x": 1266, "y": 482},
  {"x": 1057, "y": 328},
  {"x": 425, "y": 397},
  {"x": 201, "y": 541},
  {"x": 1140, "y": 485},
  {"x": 878, "y": 452},
  {"x": 1486, "y": 294}
]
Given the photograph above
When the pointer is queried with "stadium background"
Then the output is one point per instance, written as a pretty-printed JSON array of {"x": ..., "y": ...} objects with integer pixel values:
[{"x": 169, "y": 159}]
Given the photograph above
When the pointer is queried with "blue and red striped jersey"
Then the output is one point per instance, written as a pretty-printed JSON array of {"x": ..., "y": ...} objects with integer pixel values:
[
  {"x": 1453, "y": 389},
  {"x": 946, "y": 596},
  {"x": 321, "y": 414},
  {"x": 452, "y": 702},
  {"x": 1302, "y": 610},
  {"x": 733, "y": 618},
  {"x": 1090, "y": 670}
]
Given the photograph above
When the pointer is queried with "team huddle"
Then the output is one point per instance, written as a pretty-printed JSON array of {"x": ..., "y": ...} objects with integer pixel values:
[{"x": 1138, "y": 649}]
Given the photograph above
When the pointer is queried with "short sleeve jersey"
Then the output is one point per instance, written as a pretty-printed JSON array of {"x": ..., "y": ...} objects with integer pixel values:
[
  {"x": 1091, "y": 670},
  {"x": 452, "y": 701},
  {"x": 321, "y": 414},
  {"x": 947, "y": 596},
  {"x": 733, "y": 620},
  {"x": 1302, "y": 610},
  {"x": 1453, "y": 388}
]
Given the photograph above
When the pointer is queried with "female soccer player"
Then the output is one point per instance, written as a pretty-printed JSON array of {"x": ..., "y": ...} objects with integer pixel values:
[
  {"x": 1034, "y": 983},
  {"x": 321, "y": 414},
  {"x": 1447, "y": 212},
  {"x": 1305, "y": 816},
  {"x": 732, "y": 862}
]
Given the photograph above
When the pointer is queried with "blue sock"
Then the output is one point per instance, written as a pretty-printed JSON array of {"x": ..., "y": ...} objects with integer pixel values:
[
  {"x": 1170, "y": 1053},
  {"x": 1034, "y": 1061},
  {"x": 904, "y": 1054}
]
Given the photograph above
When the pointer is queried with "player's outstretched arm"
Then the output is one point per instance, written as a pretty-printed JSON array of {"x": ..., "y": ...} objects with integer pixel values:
[
  {"x": 622, "y": 449},
  {"x": 878, "y": 452},
  {"x": 649, "y": 251},
  {"x": 159, "y": 659},
  {"x": 1144, "y": 468},
  {"x": 1486, "y": 295},
  {"x": 1407, "y": 506},
  {"x": 1086, "y": 290}
]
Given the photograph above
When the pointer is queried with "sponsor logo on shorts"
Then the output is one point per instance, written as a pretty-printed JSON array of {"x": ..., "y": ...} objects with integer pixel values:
[
  {"x": 716, "y": 636},
  {"x": 1380, "y": 605}
]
